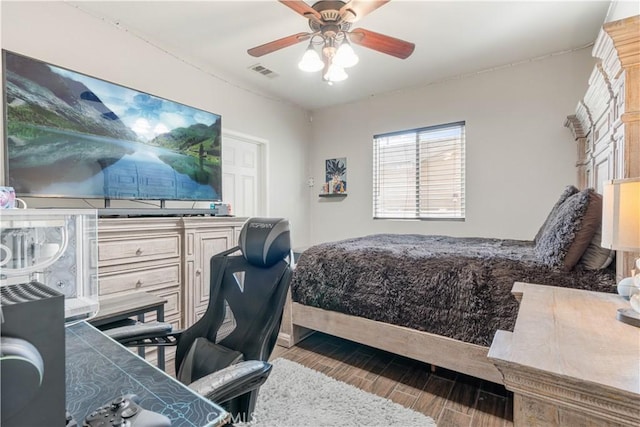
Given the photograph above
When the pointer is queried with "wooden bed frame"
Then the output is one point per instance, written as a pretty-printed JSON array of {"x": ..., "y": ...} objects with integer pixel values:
[
  {"x": 606, "y": 128},
  {"x": 430, "y": 348}
]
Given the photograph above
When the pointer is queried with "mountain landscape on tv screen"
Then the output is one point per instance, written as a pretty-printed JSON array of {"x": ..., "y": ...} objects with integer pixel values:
[{"x": 72, "y": 135}]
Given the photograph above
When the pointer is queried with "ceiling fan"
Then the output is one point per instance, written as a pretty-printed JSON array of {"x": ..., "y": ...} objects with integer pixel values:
[{"x": 330, "y": 22}]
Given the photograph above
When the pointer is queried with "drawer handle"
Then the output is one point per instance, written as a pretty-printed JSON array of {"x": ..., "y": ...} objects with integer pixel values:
[
  {"x": 139, "y": 252},
  {"x": 139, "y": 283}
]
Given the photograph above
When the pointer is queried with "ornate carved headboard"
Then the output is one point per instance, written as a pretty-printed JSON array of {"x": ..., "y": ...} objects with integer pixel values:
[{"x": 606, "y": 124}]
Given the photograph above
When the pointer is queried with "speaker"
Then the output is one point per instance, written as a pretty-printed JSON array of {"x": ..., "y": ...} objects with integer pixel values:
[{"x": 32, "y": 356}]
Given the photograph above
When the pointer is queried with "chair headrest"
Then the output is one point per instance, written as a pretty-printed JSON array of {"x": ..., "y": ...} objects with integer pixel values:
[{"x": 265, "y": 241}]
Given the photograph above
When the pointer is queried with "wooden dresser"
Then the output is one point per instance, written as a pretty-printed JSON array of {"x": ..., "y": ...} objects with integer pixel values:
[
  {"x": 568, "y": 361},
  {"x": 165, "y": 256}
]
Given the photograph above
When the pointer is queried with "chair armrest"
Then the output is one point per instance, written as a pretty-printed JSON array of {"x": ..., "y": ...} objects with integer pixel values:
[
  {"x": 232, "y": 381},
  {"x": 144, "y": 334}
]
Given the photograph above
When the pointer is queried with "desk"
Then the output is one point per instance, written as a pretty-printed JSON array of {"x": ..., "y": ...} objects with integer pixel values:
[
  {"x": 122, "y": 307},
  {"x": 568, "y": 361},
  {"x": 98, "y": 369}
]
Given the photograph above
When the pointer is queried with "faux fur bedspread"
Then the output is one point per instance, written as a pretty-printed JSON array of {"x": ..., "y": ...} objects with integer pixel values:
[{"x": 454, "y": 287}]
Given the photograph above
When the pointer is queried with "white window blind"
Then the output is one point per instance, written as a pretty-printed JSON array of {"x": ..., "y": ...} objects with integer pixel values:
[{"x": 420, "y": 173}]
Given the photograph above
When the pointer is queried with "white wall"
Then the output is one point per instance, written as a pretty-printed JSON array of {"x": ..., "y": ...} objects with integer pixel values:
[
  {"x": 519, "y": 156},
  {"x": 620, "y": 9},
  {"x": 58, "y": 33}
]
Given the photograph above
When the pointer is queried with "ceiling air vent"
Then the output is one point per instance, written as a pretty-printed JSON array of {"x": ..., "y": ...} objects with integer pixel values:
[{"x": 263, "y": 70}]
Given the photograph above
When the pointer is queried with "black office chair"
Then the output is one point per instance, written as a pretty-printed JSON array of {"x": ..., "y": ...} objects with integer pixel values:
[{"x": 229, "y": 366}]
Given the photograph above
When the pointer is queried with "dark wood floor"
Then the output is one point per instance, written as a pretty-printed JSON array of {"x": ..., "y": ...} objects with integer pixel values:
[{"x": 449, "y": 398}]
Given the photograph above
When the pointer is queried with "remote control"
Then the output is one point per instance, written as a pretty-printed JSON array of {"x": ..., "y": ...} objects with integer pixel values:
[{"x": 124, "y": 411}]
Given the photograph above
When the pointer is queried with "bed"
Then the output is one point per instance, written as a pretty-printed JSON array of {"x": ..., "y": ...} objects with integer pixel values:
[{"x": 440, "y": 299}]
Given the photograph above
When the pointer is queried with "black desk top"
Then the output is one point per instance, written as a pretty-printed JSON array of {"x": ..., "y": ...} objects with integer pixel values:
[{"x": 98, "y": 370}]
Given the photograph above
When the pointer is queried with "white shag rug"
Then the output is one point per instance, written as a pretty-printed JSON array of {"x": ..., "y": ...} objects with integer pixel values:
[{"x": 295, "y": 395}]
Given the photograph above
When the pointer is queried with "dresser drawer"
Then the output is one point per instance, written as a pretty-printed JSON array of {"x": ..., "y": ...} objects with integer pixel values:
[
  {"x": 171, "y": 307},
  {"x": 140, "y": 279},
  {"x": 138, "y": 249}
]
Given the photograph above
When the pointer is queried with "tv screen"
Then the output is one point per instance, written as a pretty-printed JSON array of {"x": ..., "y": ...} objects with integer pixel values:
[{"x": 71, "y": 135}]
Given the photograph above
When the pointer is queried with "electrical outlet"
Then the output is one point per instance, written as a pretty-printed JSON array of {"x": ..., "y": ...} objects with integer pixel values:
[{"x": 310, "y": 182}]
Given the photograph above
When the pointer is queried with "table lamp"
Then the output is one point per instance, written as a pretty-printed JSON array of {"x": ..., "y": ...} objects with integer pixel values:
[{"x": 621, "y": 231}]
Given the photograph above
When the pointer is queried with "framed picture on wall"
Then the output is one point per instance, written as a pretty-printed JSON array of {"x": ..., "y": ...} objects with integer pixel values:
[{"x": 336, "y": 175}]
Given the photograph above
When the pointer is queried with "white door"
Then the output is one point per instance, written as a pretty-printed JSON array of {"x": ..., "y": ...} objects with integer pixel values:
[{"x": 243, "y": 174}]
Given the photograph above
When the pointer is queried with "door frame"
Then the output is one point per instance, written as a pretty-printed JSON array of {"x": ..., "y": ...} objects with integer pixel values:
[{"x": 263, "y": 165}]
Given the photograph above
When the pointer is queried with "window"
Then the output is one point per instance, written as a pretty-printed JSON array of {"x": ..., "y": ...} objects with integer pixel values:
[{"x": 419, "y": 173}]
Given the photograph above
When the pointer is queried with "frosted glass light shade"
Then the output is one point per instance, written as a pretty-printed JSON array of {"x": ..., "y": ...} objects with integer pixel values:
[
  {"x": 345, "y": 56},
  {"x": 311, "y": 61},
  {"x": 335, "y": 73},
  {"x": 621, "y": 215}
]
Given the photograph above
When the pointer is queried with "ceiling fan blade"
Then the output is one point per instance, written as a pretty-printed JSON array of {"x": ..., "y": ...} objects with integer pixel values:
[
  {"x": 385, "y": 44},
  {"x": 278, "y": 44},
  {"x": 302, "y": 8},
  {"x": 360, "y": 8}
]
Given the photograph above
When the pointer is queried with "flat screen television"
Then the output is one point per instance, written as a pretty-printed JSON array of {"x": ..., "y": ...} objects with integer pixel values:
[{"x": 71, "y": 135}]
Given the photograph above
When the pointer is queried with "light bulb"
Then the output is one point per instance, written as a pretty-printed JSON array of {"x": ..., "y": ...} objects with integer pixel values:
[
  {"x": 335, "y": 73},
  {"x": 311, "y": 61},
  {"x": 345, "y": 56}
]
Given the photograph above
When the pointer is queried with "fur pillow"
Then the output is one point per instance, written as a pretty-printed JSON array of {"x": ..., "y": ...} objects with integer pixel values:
[
  {"x": 569, "y": 191},
  {"x": 569, "y": 233}
]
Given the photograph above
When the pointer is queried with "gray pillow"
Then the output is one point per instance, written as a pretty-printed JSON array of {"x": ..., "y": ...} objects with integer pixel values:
[
  {"x": 596, "y": 257},
  {"x": 569, "y": 191},
  {"x": 568, "y": 234}
]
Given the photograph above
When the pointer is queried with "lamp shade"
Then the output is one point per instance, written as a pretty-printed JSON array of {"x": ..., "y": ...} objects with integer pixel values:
[
  {"x": 345, "y": 56},
  {"x": 621, "y": 215},
  {"x": 311, "y": 61},
  {"x": 335, "y": 73}
]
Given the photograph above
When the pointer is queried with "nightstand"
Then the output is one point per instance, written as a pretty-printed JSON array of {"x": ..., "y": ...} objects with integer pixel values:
[{"x": 568, "y": 361}]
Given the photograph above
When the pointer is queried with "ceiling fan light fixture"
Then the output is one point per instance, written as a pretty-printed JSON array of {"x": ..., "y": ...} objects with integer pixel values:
[
  {"x": 345, "y": 56},
  {"x": 311, "y": 61},
  {"x": 335, "y": 73},
  {"x": 330, "y": 22}
]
